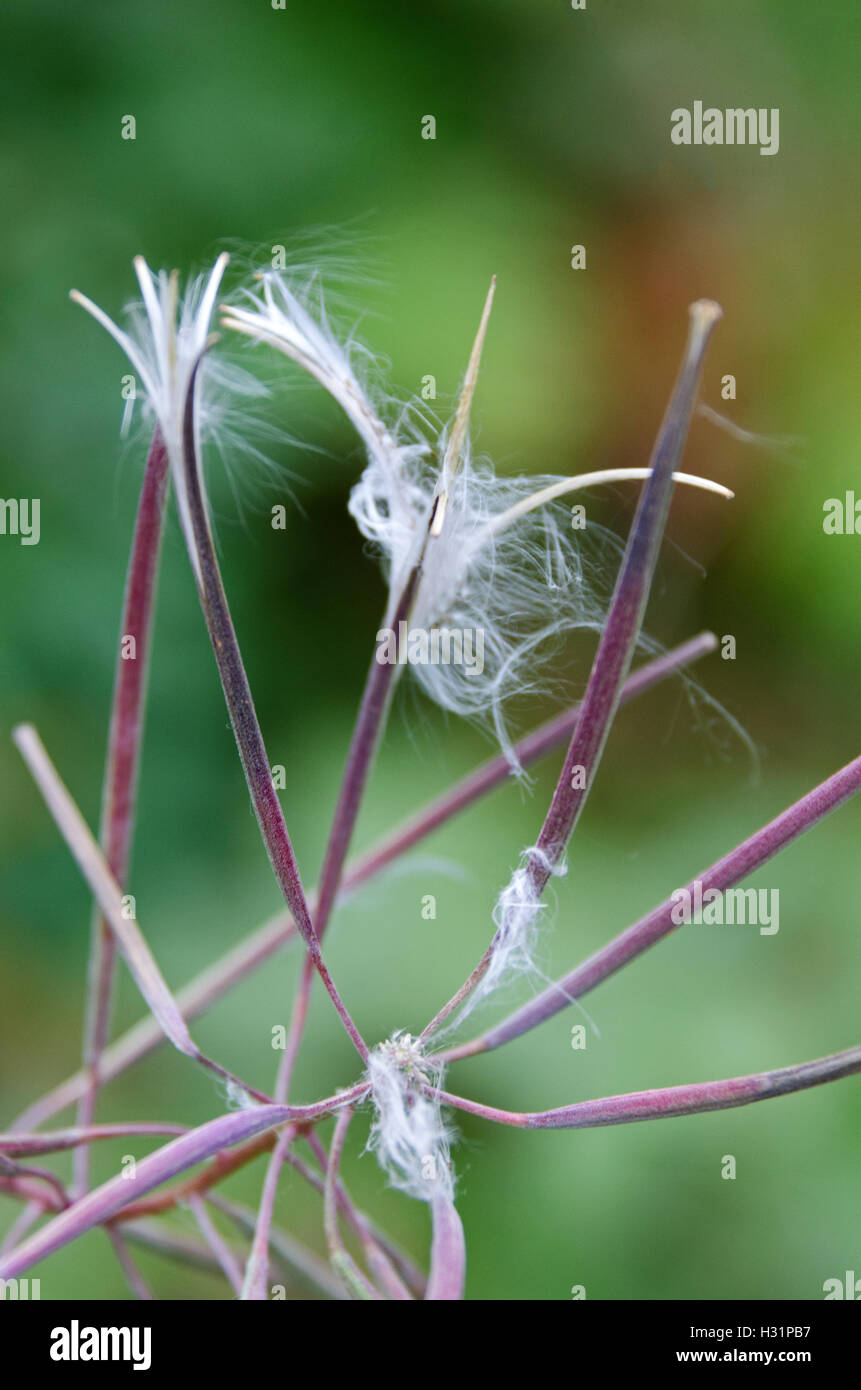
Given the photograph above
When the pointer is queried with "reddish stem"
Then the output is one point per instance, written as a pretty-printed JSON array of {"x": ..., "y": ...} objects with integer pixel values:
[
  {"x": 238, "y": 963},
  {"x": 618, "y": 640},
  {"x": 750, "y": 855},
  {"x": 121, "y": 772},
  {"x": 673, "y": 1100}
]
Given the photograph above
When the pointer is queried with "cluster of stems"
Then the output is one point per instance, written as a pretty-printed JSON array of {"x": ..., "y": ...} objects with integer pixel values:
[{"x": 189, "y": 1165}]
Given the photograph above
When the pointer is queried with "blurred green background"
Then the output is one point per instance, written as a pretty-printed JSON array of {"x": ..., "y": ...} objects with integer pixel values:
[{"x": 253, "y": 126}]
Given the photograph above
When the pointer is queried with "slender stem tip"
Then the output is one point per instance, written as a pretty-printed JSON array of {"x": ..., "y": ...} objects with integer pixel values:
[
  {"x": 705, "y": 313},
  {"x": 23, "y": 735}
]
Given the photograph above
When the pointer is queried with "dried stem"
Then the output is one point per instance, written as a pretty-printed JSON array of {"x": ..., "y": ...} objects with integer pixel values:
[
  {"x": 750, "y": 855},
  {"x": 618, "y": 639},
  {"x": 27, "y": 1217},
  {"x": 243, "y": 717},
  {"x": 121, "y": 771},
  {"x": 18, "y": 1145},
  {"x": 108, "y": 894},
  {"x": 285, "y": 1247},
  {"x": 135, "y": 1280},
  {"x": 674, "y": 1100},
  {"x": 253, "y": 1286},
  {"x": 448, "y": 1253},
  {"x": 370, "y": 722},
  {"x": 218, "y": 1245},
  {"x": 625, "y": 618},
  {"x": 10, "y": 1169},
  {"x": 342, "y": 1260},
  {"x": 182, "y": 1248},
  {"x": 238, "y": 963},
  {"x": 380, "y": 1253},
  {"x": 105, "y": 1202}
]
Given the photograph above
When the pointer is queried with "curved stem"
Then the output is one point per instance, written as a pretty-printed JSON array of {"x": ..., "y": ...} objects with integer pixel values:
[
  {"x": 118, "y": 1193},
  {"x": 619, "y": 636},
  {"x": 673, "y": 1100},
  {"x": 243, "y": 717},
  {"x": 750, "y": 855},
  {"x": 380, "y": 1253},
  {"x": 238, "y": 963},
  {"x": 597, "y": 479}
]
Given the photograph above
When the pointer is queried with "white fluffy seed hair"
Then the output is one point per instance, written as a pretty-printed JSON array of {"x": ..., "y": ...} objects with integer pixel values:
[
  {"x": 167, "y": 334},
  {"x": 521, "y": 585},
  {"x": 288, "y": 311},
  {"x": 518, "y": 576},
  {"x": 237, "y": 1098},
  {"x": 408, "y": 1134},
  {"x": 517, "y": 917}
]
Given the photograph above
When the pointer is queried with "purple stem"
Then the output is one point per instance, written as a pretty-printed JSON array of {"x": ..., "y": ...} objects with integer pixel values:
[
  {"x": 132, "y": 942},
  {"x": 135, "y": 1280},
  {"x": 219, "y": 1247},
  {"x": 27, "y": 1217},
  {"x": 380, "y": 1253},
  {"x": 496, "y": 770},
  {"x": 625, "y": 618},
  {"x": 182, "y": 1248},
  {"x": 448, "y": 1253},
  {"x": 618, "y": 640},
  {"x": 29, "y": 1189},
  {"x": 294, "y": 1033},
  {"x": 103, "y": 1202},
  {"x": 19, "y": 1145},
  {"x": 254, "y": 1285},
  {"x": 342, "y": 1260},
  {"x": 735, "y": 866},
  {"x": 284, "y": 1246},
  {"x": 19, "y": 1170},
  {"x": 121, "y": 772},
  {"x": 243, "y": 717},
  {"x": 363, "y": 745},
  {"x": 673, "y": 1100},
  {"x": 242, "y": 960}
]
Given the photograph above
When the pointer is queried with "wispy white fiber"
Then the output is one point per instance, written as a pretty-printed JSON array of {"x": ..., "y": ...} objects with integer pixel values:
[
  {"x": 517, "y": 917},
  {"x": 408, "y": 1134},
  {"x": 519, "y": 586},
  {"x": 291, "y": 315},
  {"x": 237, "y": 1097},
  {"x": 167, "y": 335},
  {"x": 501, "y": 558}
]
